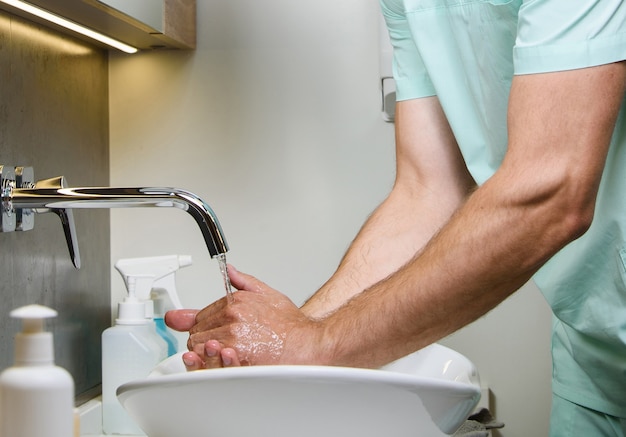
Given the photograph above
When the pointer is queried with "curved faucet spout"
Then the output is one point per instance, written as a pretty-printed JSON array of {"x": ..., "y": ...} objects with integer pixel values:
[{"x": 53, "y": 195}]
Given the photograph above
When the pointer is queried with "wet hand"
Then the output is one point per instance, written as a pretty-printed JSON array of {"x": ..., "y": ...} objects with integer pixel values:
[
  {"x": 261, "y": 326},
  {"x": 210, "y": 355}
]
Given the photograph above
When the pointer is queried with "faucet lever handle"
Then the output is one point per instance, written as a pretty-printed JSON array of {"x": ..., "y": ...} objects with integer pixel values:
[
  {"x": 69, "y": 229},
  {"x": 65, "y": 215}
]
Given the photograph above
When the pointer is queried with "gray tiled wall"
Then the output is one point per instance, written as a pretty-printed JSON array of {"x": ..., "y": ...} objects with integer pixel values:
[{"x": 54, "y": 117}]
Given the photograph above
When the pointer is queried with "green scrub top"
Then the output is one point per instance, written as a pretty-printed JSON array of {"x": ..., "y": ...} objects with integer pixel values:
[{"x": 465, "y": 52}]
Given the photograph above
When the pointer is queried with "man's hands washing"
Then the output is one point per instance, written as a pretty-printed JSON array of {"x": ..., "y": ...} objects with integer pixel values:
[{"x": 260, "y": 327}]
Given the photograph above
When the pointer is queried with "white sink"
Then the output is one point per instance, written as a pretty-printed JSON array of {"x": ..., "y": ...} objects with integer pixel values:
[{"x": 428, "y": 393}]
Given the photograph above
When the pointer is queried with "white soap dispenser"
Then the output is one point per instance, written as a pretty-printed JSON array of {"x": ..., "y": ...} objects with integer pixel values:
[
  {"x": 130, "y": 350},
  {"x": 36, "y": 397}
]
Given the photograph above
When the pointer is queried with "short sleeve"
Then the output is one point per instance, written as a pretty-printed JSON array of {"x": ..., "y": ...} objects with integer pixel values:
[
  {"x": 410, "y": 75},
  {"x": 557, "y": 35}
]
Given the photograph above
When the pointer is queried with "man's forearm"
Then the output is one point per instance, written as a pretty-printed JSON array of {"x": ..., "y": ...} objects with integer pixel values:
[
  {"x": 397, "y": 229},
  {"x": 479, "y": 259},
  {"x": 431, "y": 182}
]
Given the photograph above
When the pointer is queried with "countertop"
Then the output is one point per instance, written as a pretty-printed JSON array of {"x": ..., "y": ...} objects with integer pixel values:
[{"x": 90, "y": 414}]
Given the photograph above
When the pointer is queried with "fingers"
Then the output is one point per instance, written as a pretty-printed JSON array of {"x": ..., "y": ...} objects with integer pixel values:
[
  {"x": 181, "y": 320},
  {"x": 219, "y": 356},
  {"x": 192, "y": 361},
  {"x": 230, "y": 358},
  {"x": 211, "y": 355},
  {"x": 242, "y": 281}
]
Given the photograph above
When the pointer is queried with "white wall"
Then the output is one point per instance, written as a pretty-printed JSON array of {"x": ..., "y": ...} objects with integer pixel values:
[{"x": 275, "y": 121}]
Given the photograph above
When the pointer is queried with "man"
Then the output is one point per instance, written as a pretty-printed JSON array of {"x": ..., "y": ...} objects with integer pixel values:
[{"x": 511, "y": 160}]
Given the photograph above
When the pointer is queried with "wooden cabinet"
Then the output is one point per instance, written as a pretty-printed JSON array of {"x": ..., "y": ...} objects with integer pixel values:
[
  {"x": 145, "y": 24},
  {"x": 171, "y": 22}
]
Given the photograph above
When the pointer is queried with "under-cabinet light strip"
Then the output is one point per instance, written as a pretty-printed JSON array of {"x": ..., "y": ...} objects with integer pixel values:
[{"x": 42, "y": 13}]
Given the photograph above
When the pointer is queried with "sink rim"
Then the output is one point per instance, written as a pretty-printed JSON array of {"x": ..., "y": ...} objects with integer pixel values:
[{"x": 330, "y": 373}]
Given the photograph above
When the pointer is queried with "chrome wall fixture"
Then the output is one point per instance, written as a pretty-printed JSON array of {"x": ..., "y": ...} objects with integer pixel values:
[
  {"x": 22, "y": 197},
  {"x": 11, "y": 178}
]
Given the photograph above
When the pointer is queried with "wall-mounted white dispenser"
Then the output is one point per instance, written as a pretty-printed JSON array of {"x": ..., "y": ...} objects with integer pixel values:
[{"x": 387, "y": 84}]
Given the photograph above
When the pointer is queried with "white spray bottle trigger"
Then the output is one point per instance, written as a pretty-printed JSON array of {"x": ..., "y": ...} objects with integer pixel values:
[
  {"x": 167, "y": 285},
  {"x": 156, "y": 267},
  {"x": 146, "y": 272}
]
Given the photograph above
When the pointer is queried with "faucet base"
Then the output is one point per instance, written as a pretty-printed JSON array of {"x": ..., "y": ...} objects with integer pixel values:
[{"x": 22, "y": 219}]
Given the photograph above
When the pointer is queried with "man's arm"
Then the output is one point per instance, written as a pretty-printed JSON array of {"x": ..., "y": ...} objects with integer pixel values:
[
  {"x": 542, "y": 197},
  {"x": 431, "y": 182}
]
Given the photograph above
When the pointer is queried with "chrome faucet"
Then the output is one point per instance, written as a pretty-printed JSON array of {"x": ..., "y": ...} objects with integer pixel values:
[{"x": 24, "y": 198}]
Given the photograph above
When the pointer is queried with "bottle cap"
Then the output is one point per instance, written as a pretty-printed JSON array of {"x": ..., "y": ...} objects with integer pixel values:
[{"x": 33, "y": 345}]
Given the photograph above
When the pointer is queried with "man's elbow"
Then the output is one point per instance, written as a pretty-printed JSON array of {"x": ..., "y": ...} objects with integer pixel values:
[
  {"x": 574, "y": 216},
  {"x": 577, "y": 223}
]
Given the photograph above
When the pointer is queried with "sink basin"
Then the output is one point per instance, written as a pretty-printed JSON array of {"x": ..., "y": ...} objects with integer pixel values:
[{"x": 427, "y": 393}]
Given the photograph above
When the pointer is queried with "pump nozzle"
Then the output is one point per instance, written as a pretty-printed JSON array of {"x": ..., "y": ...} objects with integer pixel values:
[
  {"x": 32, "y": 317},
  {"x": 33, "y": 344}
]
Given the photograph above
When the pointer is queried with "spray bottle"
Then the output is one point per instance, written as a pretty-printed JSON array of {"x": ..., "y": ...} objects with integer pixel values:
[
  {"x": 36, "y": 397},
  {"x": 130, "y": 350},
  {"x": 159, "y": 286}
]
